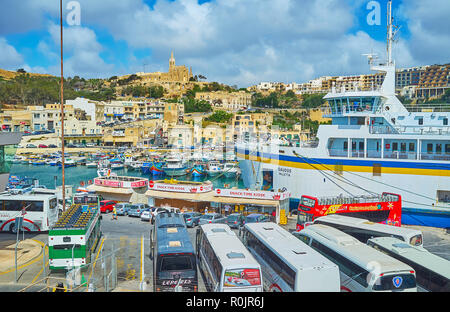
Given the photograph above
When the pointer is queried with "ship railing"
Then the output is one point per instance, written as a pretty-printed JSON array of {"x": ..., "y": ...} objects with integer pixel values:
[
  {"x": 400, "y": 155},
  {"x": 416, "y": 130},
  {"x": 435, "y": 156},
  {"x": 425, "y": 108},
  {"x": 421, "y": 130},
  {"x": 382, "y": 130}
]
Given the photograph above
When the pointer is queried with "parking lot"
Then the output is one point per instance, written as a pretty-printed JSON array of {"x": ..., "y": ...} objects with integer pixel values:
[
  {"x": 126, "y": 242},
  {"x": 127, "y": 239}
]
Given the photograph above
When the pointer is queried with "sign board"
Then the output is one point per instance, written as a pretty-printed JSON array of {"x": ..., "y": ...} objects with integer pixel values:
[
  {"x": 120, "y": 184},
  {"x": 252, "y": 194},
  {"x": 181, "y": 188}
]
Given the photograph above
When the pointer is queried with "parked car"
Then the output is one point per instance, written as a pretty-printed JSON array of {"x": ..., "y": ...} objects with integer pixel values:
[
  {"x": 235, "y": 220},
  {"x": 146, "y": 215},
  {"x": 256, "y": 218},
  {"x": 211, "y": 218},
  {"x": 136, "y": 210},
  {"x": 52, "y": 146},
  {"x": 122, "y": 209},
  {"x": 31, "y": 146},
  {"x": 158, "y": 210},
  {"x": 192, "y": 218},
  {"x": 107, "y": 206},
  {"x": 43, "y": 146}
]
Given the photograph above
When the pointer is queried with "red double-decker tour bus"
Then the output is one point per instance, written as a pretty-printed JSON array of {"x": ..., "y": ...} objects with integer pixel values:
[{"x": 386, "y": 209}]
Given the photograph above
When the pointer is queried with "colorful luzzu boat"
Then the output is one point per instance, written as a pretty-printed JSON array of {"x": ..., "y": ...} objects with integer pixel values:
[
  {"x": 198, "y": 171},
  {"x": 156, "y": 169}
]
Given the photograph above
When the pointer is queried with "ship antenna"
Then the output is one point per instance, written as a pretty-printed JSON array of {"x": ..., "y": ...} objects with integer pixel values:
[{"x": 392, "y": 31}]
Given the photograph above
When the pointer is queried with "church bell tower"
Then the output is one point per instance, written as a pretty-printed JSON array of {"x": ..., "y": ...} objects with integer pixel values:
[{"x": 171, "y": 62}]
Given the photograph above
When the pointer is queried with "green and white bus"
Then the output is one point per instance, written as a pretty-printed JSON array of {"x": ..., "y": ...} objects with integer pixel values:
[{"x": 76, "y": 235}]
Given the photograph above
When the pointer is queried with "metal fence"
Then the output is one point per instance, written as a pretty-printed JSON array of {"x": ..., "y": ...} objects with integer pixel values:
[{"x": 100, "y": 275}]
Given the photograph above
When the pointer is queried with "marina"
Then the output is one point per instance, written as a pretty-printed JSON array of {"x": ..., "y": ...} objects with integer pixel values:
[{"x": 169, "y": 182}]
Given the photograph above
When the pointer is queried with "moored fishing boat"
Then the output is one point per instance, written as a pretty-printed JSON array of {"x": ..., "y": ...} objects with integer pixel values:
[
  {"x": 214, "y": 168},
  {"x": 198, "y": 170},
  {"x": 175, "y": 167},
  {"x": 231, "y": 170},
  {"x": 69, "y": 162}
]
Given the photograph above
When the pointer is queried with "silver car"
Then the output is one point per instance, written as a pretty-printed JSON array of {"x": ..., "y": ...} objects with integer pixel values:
[{"x": 211, "y": 218}]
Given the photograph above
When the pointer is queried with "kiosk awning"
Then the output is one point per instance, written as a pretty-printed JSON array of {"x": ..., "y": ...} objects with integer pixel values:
[
  {"x": 209, "y": 197},
  {"x": 198, "y": 197}
]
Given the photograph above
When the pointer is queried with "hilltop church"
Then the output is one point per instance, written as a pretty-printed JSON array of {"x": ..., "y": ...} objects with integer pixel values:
[{"x": 176, "y": 73}]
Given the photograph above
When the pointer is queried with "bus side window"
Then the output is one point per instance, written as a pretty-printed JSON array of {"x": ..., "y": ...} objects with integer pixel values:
[{"x": 12, "y": 205}]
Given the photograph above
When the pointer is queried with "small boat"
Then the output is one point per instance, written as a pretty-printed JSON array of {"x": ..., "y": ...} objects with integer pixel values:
[
  {"x": 231, "y": 170},
  {"x": 198, "y": 170},
  {"x": 105, "y": 172},
  {"x": 117, "y": 166},
  {"x": 81, "y": 161},
  {"x": 69, "y": 162},
  {"x": 40, "y": 162},
  {"x": 54, "y": 162},
  {"x": 175, "y": 167},
  {"x": 156, "y": 169},
  {"x": 214, "y": 168},
  {"x": 91, "y": 164}
]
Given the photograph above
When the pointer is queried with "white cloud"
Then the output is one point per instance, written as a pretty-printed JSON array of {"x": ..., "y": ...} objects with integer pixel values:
[
  {"x": 429, "y": 23},
  {"x": 10, "y": 59},
  {"x": 243, "y": 42},
  {"x": 81, "y": 52}
]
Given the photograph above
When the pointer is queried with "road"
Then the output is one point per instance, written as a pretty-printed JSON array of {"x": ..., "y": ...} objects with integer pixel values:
[{"x": 126, "y": 242}]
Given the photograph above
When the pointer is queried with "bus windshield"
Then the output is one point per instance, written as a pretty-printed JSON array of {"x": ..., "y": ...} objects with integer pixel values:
[
  {"x": 395, "y": 282},
  {"x": 242, "y": 278}
]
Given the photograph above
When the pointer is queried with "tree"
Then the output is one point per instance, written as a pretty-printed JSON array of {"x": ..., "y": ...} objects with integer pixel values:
[
  {"x": 21, "y": 70},
  {"x": 313, "y": 100},
  {"x": 220, "y": 116}
]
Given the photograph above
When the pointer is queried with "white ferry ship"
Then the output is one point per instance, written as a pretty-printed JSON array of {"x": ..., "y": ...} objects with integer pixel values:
[{"x": 374, "y": 145}]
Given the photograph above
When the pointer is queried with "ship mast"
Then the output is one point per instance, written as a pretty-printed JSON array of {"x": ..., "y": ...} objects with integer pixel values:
[{"x": 391, "y": 33}]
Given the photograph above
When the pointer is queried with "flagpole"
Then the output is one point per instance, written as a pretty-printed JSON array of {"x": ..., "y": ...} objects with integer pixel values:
[{"x": 62, "y": 114}]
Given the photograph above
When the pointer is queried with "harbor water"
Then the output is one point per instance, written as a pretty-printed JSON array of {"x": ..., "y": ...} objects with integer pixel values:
[{"x": 51, "y": 176}]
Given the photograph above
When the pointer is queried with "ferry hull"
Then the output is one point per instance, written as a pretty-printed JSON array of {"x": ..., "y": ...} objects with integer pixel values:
[{"x": 417, "y": 182}]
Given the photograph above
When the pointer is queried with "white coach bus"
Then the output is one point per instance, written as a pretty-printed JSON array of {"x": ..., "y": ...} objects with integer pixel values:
[
  {"x": 39, "y": 212},
  {"x": 288, "y": 264},
  {"x": 362, "y": 268},
  {"x": 224, "y": 262}
]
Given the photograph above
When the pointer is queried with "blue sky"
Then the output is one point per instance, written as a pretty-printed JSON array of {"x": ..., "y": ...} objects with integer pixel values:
[{"x": 238, "y": 42}]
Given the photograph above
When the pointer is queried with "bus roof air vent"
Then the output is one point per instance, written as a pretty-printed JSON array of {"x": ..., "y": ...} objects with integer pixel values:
[
  {"x": 218, "y": 230},
  {"x": 235, "y": 255}
]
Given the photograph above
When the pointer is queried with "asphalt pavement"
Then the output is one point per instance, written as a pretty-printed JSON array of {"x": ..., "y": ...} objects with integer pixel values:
[{"x": 126, "y": 241}]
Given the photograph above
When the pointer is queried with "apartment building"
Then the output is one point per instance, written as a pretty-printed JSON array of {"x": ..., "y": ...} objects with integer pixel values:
[
  {"x": 229, "y": 101},
  {"x": 434, "y": 81}
]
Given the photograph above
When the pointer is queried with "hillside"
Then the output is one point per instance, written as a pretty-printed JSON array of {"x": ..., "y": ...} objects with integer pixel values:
[{"x": 7, "y": 74}]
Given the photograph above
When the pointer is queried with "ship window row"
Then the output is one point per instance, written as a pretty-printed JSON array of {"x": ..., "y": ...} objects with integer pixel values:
[{"x": 392, "y": 149}]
